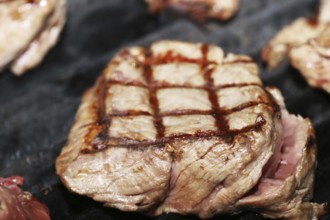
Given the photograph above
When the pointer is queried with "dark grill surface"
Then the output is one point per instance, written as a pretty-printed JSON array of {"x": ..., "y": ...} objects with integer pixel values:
[{"x": 37, "y": 110}]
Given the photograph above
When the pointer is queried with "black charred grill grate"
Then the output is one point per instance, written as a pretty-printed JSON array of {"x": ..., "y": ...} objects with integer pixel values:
[{"x": 37, "y": 110}]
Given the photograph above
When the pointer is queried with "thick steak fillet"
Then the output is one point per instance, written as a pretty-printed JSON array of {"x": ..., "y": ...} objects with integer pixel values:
[
  {"x": 28, "y": 29},
  {"x": 307, "y": 44},
  {"x": 198, "y": 9},
  {"x": 178, "y": 127}
]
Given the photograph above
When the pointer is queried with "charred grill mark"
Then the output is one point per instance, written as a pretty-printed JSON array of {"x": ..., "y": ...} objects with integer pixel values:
[
  {"x": 197, "y": 134},
  {"x": 131, "y": 83},
  {"x": 148, "y": 74},
  {"x": 97, "y": 135},
  {"x": 188, "y": 111},
  {"x": 240, "y": 60},
  {"x": 101, "y": 94},
  {"x": 100, "y": 141},
  {"x": 228, "y": 137},
  {"x": 94, "y": 130},
  {"x": 272, "y": 102},
  {"x": 221, "y": 123},
  {"x": 158, "y": 85},
  {"x": 128, "y": 113},
  {"x": 243, "y": 106},
  {"x": 126, "y": 141},
  {"x": 238, "y": 85},
  {"x": 185, "y": 112},
  {"x": 165, "y": 85},
  {"x": 256, "y": 127}
]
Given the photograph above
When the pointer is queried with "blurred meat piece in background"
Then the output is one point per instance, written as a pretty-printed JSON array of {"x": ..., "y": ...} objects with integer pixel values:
[
  {"x": 28, "y": 29},
  {"x": 307, "y": 44},
  {"x": 17, "y": 204},
  {"x": 197, "y": 9}
]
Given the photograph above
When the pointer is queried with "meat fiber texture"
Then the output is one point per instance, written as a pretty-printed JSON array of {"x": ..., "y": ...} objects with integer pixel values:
[
  {"x": 198, "y": 9},
  {"x": 18, "y": 205},
  {"x": 307, "y": 44},
  {"x": 179, "y": 127},
  {"x": 28, "y": 29}
]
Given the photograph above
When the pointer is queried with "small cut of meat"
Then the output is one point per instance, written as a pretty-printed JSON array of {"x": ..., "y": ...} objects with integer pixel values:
[
  {"x": 307, "y": 44},
  {"x": 16, "y": 204},
  {"x": 28, "y": 30}
]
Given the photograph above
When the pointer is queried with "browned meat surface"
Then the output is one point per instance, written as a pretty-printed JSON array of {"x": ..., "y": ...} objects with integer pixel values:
[
  {"x": 18, "y": 205},
  {"x": 180, "y": 127},
  {"x": 28, "y": 29},
  {"x": 307, "y": 44},
  {"x": 199, "y": 9},
  {"x": 284, "y": 192}
]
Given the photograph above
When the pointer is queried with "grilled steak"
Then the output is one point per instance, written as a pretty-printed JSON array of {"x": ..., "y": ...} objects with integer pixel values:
[
  {"x": 307, "y": 44},
  {"x": 18, "y": 205},
  {"x": 28, "y": 29},
  {"x": 198, "y": 9},
  {"x": 178, "y": 127}
]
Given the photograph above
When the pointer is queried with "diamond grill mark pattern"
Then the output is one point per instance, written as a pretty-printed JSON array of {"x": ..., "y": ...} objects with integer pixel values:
[{"x": 160, "y": 126}]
